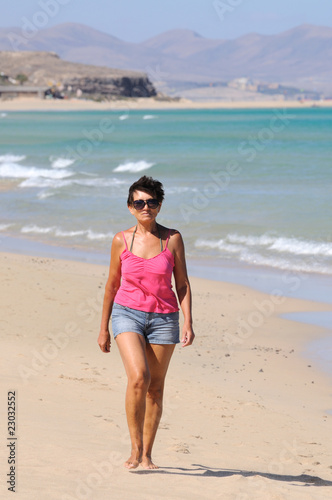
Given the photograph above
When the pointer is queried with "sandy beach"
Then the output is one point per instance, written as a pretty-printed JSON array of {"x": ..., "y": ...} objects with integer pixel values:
[
  {"x": 246, "y": 413},
  {"x": 34, "y": 104}
]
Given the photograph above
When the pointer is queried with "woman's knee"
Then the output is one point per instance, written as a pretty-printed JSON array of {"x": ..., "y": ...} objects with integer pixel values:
[
  {"x": 155, "y": 392},
  {"x": 140, "y": 380}
]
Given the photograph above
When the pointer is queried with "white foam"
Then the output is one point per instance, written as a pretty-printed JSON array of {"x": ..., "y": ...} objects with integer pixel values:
[
  {"x": 61, "y": 183},
  {"x": 274, "y": 251},
  {"x": 300, "y": 247},
  {"x": 220, "y": 245},
  {"x": 11, "y": 158},
  {"x": 123, "y": 117},
  {"x": 263, "y": 240},
  {"x": 284, "y": 245},
  {"x": 149, "y": 117},
  {"x": 45, "y": 194},
  {"x": 32, "y": 228},
  {"x": 61, "y": 233},
  {"x": 130, "y": 166},
  {"x": 3, "y": 115},
  {"x": 3, "y": 227},
  {"x": 61, "y": 162},
  {"x": 99, "y": 182},
  {"x": 284, "y": 264},
  {"x": 45, "y": 183},
  {"x": 180, "y": 190},
  {"x": 14, "y": 171}
]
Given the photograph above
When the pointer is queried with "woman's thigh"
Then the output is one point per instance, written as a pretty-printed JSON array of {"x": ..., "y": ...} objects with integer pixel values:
[
  {"x": 132, "y": 348},
  {"x": 158, "y": 358}
]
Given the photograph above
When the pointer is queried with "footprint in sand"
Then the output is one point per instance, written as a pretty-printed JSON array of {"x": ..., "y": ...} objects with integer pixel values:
[{"x": 180, "y": 448}]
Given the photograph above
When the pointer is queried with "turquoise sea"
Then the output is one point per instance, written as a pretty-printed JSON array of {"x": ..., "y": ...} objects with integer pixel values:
[
  {"x": 245, "y": 187},
  {"x": 250, "y": 190}
]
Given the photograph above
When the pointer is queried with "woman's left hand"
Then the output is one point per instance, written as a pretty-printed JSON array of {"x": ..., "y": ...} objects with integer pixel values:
[
  {"x": 187, "y": 336},
  {"x": 104, "y": 341}
]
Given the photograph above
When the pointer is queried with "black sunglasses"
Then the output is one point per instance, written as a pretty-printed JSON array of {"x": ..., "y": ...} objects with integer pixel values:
[{"x": 140, "y": 204}]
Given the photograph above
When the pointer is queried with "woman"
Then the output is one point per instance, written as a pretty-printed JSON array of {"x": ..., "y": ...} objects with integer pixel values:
[{"x": 145, "y": 312}]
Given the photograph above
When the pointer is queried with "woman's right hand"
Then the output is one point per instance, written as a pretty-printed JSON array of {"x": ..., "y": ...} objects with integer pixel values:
[{"x": 104, "y": 341}]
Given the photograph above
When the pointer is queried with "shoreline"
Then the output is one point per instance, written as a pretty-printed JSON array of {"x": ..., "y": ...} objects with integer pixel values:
[
  {"x": 268, "y": 428},
  {"x": 34, "y": 104},
  {"x": 288, "y": 285},
  {"x": 293, "y": 284}
]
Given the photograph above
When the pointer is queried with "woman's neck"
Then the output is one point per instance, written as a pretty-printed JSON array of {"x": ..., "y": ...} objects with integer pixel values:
[{"x": 147, "y": 228}]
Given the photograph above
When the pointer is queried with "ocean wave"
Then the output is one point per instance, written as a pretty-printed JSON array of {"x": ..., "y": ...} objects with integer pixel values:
[
  {"x": 284, "y": 245},
  {"x": 3, "y": 115},
  {"x": 123, "y": 117},
  {"x": 149, "y": 117},
  {"x": 220, "y": 245},
  {"x": 45, "y": 183},
  {"x": 274, "y": 251},
  {"x": 42, "y": 195},
  {"x": 286, "y": 264},
  {"x": 3, "y": 227},
  {"x": 99, "y": 182},
  {"x": 11, "y": 158},
  {"x": 181, "y": 189},
  {"x": 61, "y": 162},
  {"x": 32, "y": 228},
  {"x": 137, "y": 166},
  {"x": 263, "y": 240},
  {"x": 14, "y": 171},
  {"x": 60, "y": 183},
  {"x": 61, "y": 233}
]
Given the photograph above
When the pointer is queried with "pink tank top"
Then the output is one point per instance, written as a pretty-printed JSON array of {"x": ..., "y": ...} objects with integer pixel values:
[{"x": 146, "y": 284}]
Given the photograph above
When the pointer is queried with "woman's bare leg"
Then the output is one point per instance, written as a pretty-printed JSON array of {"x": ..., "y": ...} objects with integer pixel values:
[
  {"x": 158, "y": 358},
  {"x": 132, "y": 349}
]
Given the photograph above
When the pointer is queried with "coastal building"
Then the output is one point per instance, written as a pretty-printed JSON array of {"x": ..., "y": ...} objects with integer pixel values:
[{"x": 10, "y": 91}]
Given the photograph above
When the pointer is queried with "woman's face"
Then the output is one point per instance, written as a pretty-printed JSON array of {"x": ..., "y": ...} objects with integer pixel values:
[{"x": 146, "y": 213}]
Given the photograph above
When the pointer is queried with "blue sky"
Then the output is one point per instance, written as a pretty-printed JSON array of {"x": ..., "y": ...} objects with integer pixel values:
[{"x": 138, "y": 20}]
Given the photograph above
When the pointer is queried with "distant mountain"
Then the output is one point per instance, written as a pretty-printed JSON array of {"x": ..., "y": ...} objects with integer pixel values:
[{"x": 299, "y": 57}]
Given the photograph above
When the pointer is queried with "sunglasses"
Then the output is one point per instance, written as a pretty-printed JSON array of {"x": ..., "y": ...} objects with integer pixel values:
[{"x": 140, "y": 204}]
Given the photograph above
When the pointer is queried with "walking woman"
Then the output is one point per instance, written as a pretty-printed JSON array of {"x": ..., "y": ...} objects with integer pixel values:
[{"x": 145, "y": 312}]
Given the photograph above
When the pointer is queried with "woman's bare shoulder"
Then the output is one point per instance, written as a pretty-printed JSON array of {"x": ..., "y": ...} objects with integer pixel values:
[
  {"x": 118, "y": 238},
  {"x": 175, "y": 240}
]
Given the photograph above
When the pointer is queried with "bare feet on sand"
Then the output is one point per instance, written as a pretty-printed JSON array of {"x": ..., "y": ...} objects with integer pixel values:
[
  {"x": 147, "y": 463},
  {"x": 135, "y": 460}
]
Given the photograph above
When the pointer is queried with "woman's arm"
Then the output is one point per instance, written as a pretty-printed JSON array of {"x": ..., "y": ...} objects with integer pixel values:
[
  {"x": 183, "y": 289},
  {"x": 112, "y": 286}
]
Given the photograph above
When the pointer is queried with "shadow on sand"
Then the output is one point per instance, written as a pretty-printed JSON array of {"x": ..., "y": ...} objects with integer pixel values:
[{"x": 203, "y": 471}]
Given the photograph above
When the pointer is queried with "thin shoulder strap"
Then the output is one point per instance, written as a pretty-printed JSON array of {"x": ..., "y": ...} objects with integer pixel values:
[
  {"x": 161, "y": 241},
  {"x": 132, "y": 239},
  {"x": 124, "y": 240},
  {"x": 169, "y": 234}
]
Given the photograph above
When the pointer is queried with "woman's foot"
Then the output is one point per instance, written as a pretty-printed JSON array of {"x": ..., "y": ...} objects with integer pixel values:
[
  {"x": 147, "y": 463},
  {"x": 133, "y": 461}
]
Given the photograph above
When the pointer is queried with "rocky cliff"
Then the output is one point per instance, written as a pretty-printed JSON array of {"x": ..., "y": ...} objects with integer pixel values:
[{"x": 47, "y": 69}]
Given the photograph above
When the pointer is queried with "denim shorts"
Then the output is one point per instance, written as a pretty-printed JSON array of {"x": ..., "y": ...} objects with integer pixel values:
[{"x": 156, "y": 328}]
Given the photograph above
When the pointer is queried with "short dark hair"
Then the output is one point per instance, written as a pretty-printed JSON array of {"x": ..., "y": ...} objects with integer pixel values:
[{"x": 147, "y": 185}]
